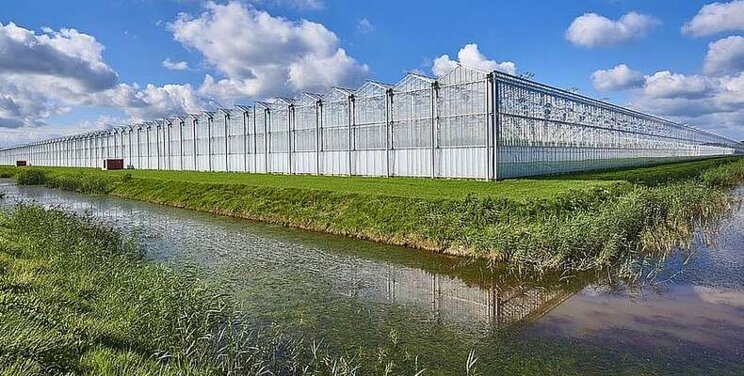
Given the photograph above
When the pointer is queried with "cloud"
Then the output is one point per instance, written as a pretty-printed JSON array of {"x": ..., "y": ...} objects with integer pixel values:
[
  {"x": 66, "y": 55},
  {"x": 618, "y": 78},
  {"x": 593, "y": 30},
  {"x": 716, "y": 18},
  {"x": 714, "y": 103},
  {"x": 666, "y": 84},
  {"x": 151, "y": 101},
  {"x": 470, "y": 56},
  {"x": 260, "y": 55},
  {"x": 18, "y": 136},
  {"x": 296, "y": 4},
  {"x": 725, "y": 56},
  {"x": 47, "y": 74},
  {"x": 365, "y": 27},
  {"x": 175, "y": 65}
]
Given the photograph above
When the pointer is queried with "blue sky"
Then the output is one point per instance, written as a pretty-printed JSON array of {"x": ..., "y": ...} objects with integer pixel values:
[{"x": 681, "y": 59}]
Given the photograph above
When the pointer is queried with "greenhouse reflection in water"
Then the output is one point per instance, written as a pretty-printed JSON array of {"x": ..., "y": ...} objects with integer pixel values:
[{"x": 213, "y": 242}]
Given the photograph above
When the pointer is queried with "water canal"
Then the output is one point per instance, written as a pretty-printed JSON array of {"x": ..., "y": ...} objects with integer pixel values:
[{"x": 416, "y": 306}]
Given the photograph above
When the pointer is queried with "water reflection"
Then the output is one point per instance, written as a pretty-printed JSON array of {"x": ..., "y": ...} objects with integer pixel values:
[
  {"x": 693, "y": 315},
  {"x": 452, "y": 300},
  {"x": 701, "y": 306},
  {"x": 291, "y": 263},
  {"x": 356, "y": 293}
]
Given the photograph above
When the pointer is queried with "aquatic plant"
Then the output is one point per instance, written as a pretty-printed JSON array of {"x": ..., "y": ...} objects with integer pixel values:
[
  {"x": 28, "y": 176},
  {"x": 77, "y": 298}
]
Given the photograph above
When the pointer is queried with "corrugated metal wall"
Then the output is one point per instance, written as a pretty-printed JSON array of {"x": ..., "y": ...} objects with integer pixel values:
[{"x": 465, "y": 124}]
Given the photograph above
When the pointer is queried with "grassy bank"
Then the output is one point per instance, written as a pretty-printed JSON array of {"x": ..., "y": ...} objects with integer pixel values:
[
  {"x": 580, "y": 222},
  {"x": 76, "y": 299}
]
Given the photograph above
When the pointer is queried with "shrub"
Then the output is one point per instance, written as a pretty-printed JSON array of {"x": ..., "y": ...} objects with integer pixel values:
[{"x": 31, "y": 177}]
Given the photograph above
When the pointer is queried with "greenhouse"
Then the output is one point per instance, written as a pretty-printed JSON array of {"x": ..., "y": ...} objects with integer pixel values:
[{"x": 465, "y": 124}]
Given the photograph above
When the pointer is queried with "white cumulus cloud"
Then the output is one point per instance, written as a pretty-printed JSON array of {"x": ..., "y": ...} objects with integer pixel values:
[
  {"x": 716, "y": 18},
  {"x": 53, "y": 72},
  {"x": 725, "y": 56},
  {"x": 714, "y": 103},
  {"x": 666, "y": 84},
  {"x": 260, "y": 55},
  {"x": 175, "y": 65},
  {"x": 618, "y": 78},
  {"x": 594, "y": 30},
  {"x": 470, "y": 56},
  {"x": 67, "y": 55}
]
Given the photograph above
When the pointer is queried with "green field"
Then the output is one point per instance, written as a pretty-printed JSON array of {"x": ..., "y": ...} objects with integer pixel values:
[
  {"x": 521, "y": 190},
  {"x": 653, "y": 175},
  {"x": 512, "y": 189},
  {"x": 571, "y": 222}
]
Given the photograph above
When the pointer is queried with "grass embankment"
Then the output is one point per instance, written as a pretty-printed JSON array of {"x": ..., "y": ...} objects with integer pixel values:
[
  {"x": 76, "y": 299},
  {"x": 580, "y": 222}
]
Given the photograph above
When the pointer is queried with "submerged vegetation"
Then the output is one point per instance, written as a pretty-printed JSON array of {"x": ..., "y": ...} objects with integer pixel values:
[{"x": 588, "y": 221}]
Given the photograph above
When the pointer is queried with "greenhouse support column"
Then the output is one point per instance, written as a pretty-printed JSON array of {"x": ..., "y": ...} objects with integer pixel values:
[
  {"x": 210, "y": 119},
  {"x": 170, "y": 144},
  {"x": 388, "y": 130},
  {"x": 166, "y": 144},
  {"x": 157, "y": 146},
  {"x": 267, "y": 121},
  {"x": 290, "y": 122},
  {"x": 149, "y": 152},
  {"x": 129, "y": 134},
  {"x": 139, "y": 147},
  {"x": 121, "y": 141},
  {"x": 350, "y": 123},
  {"x": 433, "y": 114},
  {"x": 255, "y": 143},
  {"x": 227, "y": 142},
  {"x": 492, "y": 106},
  {"x": 100, "y": 146},
  {"x": 318, "y": 129},
  {"x": 245, "y": 140},
  {"x": 181, "y": 124},
  {"x": 194, "y": 123}
]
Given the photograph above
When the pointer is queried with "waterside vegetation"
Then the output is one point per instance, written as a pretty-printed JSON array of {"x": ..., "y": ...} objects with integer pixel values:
[
  {"x": 588, "y": 221},
  {"x": 78, "y": 298}
]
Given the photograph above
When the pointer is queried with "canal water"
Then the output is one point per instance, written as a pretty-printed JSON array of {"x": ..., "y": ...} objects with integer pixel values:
[{"x": 410, "y": 307}]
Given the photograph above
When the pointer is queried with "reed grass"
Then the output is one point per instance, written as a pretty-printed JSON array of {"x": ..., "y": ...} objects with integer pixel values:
[{"x": 76, "y": 298}]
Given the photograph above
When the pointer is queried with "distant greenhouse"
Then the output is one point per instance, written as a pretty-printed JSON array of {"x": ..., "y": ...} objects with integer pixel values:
[{"x": 465, "y": 124}]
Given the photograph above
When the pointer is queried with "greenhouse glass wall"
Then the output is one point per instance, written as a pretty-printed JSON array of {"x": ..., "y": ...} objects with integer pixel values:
[{"x": 465, "y": 124}]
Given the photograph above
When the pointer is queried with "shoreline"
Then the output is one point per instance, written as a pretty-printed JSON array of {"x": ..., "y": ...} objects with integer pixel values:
[{"x": 575, "y": 230}]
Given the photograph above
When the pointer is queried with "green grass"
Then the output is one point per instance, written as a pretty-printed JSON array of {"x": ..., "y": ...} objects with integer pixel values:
[
  {"x": 520, "y": 190},
  {"x": 653, "y": 175},
  {"x": 76, "y": 299},
  {"x": 577, "y": 222}
]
